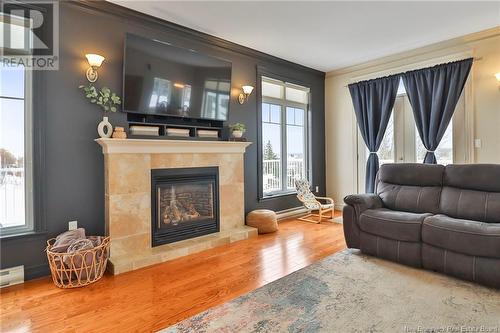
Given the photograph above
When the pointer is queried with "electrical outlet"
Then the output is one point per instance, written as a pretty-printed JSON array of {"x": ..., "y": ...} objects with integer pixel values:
[
  {"x": 478, "y": 143},
  {"x": 72, "y": 225},
  {"x": 317, "y": 188}
]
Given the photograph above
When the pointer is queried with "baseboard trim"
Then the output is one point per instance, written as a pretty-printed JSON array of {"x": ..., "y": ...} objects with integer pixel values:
[
  {"x": 339, "y": 207},
  {"x": 33, "y": 272}
]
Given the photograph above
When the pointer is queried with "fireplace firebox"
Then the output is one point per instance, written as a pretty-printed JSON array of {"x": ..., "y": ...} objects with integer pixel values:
[{"x": 184, "y": 203}]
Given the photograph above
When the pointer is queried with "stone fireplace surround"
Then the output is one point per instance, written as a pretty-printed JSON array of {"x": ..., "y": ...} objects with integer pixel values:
[{"x": 128, "y": 165}]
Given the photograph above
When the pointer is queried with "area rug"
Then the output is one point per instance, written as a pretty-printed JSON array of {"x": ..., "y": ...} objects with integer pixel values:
[{"x": 351, "y": 292}]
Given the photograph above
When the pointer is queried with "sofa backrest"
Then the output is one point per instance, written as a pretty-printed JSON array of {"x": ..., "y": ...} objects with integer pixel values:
[
  {"x": 472, "y": 192},
  {"x": 411, "y": 187}
]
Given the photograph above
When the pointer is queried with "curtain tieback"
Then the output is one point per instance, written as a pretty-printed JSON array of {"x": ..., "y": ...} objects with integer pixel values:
[
  {"x": 373, "y": 152},
  {"x": 431, "y": 151}
]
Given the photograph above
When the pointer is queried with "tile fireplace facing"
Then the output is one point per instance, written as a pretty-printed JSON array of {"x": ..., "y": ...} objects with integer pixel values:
[{"x": 166, "y": 199}]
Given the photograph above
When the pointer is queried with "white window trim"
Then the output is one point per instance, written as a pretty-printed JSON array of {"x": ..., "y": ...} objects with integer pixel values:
[
  {"x": 284, "y": 103},
  {"x": 29, "y": 225}
]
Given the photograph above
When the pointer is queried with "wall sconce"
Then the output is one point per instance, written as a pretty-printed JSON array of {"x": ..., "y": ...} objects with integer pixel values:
[
  {"x": 95, "y": 62},
  {"x": 497, "y": 75},
  {"x": 243, "y": 97}
]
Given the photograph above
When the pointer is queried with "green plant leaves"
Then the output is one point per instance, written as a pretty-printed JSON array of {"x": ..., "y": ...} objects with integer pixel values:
[
  {"x": 237, "y": 127},
  {"x": 104, "y": 97}
]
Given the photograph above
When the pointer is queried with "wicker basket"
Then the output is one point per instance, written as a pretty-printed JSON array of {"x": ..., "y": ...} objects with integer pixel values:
[{"x": 78, "y": 269}]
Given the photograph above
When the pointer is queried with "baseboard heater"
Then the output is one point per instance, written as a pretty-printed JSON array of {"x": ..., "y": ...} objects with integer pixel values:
[
  {"x": 287, "y": 213},
  {"x": 292, "y": 212},
  {"x": 11, "y": 276}
]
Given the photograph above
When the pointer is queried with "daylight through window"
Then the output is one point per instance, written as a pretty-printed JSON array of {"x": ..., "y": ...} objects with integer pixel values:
[{"x": 284, "y": 135}]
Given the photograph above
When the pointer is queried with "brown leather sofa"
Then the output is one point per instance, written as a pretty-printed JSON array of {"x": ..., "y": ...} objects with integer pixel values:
[{"x": 445, "y": 219}]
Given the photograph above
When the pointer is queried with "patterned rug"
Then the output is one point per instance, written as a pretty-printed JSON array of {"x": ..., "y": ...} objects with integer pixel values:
[{"x": 351, "y": 292}]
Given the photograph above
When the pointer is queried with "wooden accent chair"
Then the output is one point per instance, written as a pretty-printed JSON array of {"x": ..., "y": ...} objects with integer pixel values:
[{"x": 312, "y": 203}]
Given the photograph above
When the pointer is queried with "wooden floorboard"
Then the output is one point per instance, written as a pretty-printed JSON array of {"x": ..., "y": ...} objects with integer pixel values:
[{"x": 155, "y": 297}]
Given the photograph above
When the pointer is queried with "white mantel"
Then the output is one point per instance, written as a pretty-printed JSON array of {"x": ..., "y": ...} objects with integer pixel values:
[
  {"x": 127, "y": 176},
  {"x": 151, "y": 146}
]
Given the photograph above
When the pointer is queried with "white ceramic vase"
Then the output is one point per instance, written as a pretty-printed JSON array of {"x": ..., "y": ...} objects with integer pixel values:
[
  {"x": 237, "y": 134},
  {"x": 104, "y": 128}
]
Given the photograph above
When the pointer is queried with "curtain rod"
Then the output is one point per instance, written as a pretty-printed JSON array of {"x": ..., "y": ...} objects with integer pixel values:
[{"x": 474, "y": 59}]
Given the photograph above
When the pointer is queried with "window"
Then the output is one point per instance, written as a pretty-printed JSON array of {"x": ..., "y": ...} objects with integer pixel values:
[
  {"x": 402, "y": 143},
  {"x": 444, "y": 152},
  {"x": 284, "y": 135},
  {"x": 16, "y": 174},
  {"x": 386, "y": 150}
]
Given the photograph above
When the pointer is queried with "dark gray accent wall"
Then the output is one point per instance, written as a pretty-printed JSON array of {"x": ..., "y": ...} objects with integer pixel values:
[{"x": 74, "y": 165}]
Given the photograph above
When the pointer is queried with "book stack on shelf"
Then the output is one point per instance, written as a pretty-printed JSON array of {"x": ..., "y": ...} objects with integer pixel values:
[
  {"x": 178, "y": 132},
  {"x": 202, "y": 133},
  {"x": 145, "y": 130}
]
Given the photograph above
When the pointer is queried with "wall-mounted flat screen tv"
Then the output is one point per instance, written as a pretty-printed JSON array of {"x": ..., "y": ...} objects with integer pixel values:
[{"x": 163, "y": 79}]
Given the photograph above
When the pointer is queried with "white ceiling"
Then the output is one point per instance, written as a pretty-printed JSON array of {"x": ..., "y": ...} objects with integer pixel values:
[{"x": 328, "y": 35}]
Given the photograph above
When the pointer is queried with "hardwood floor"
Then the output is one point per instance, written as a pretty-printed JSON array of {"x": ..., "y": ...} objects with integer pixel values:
[{"x": 155, "y": 297}]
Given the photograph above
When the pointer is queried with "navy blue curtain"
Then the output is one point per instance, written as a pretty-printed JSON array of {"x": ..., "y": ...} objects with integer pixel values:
[
  {"x": 373, "y": 102},
  {"x": 433, "y": 93}
]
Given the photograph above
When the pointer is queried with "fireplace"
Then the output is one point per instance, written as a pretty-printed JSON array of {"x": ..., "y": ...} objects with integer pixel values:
[{"x": 184, "y": 203}]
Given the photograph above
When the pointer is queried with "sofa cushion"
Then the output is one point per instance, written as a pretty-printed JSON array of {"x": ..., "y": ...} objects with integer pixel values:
[
  {"x": 478, "y": 177},
  {"x": 412, "y": 199},
  {"x": 412, "y": 174},
  {"x": 463, "y": 236},
  {"x": 412, "y": 188},
  {"x": 470, "y": 205},
  {"x": 471, "y": 192},
  {"x": 392, "y": 224}
]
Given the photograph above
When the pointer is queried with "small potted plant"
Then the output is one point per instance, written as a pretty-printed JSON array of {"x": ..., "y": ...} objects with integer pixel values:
[
  {"x": 237, "y": 130},
  {"x": 108, "y": 101}
]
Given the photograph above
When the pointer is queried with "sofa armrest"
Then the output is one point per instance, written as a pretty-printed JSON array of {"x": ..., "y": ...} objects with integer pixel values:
[
  {"x": 355, "y": 205},
  {"x": 362, "y": 202}
]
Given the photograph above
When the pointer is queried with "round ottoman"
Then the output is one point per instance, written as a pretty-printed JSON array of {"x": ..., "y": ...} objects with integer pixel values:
[{"x": 263, "y": 219}]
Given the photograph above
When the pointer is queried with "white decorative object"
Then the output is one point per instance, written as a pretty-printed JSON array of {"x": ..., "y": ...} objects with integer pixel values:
[
  {"x": 104, "y": 128},
  {"x": 237, "y": 134}
]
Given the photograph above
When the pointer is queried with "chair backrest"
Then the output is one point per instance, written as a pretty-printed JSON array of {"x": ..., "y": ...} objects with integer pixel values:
[
  {"x": 305, "y": 195},
  {"x": 302, "y": 186}
]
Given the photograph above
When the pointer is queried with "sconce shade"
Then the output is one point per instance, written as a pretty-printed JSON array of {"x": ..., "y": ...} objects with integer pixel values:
[
  {"x": 247, "y": 90},
  {"x": 242, "y": 97},
  {"x": 94, "y": 60},
  {"x": 497, "y": 75}
]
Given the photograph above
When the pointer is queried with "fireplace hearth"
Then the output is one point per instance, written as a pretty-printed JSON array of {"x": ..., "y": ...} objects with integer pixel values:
[{"x": 184, "y": 203}]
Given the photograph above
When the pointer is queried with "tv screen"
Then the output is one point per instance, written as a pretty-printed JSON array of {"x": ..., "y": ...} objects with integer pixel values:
[{"x": 162, "y": 79}]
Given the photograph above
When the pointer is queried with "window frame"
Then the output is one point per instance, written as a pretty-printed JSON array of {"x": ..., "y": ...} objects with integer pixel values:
[
  {"x": 28, "y": 157},
  {"x": 283, "y": 103},
  {"x": 34, "y": 137}
]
